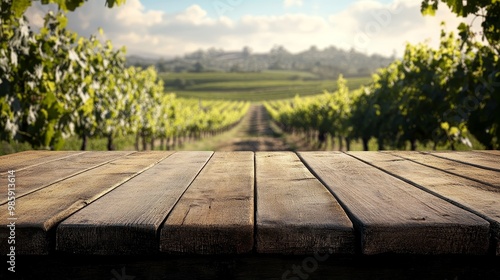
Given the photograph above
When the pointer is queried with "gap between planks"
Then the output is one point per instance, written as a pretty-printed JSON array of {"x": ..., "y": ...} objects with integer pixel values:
[
  {"x": 295, "y": 212},
  {"x": 36, "y": 177},
  {"x": 393, "y": 216},
  {"x": 215, "y": 215},
  {"x": 479, "y": 160},
  {"x": 43, "y": 210},
  {"x": 126, "y": 221},
  {"x": 469, "y": 195},
  {"x": 22, "y": 160},
  {"x": 484, "y": 176},
  {"x": 254, "y": 193}
]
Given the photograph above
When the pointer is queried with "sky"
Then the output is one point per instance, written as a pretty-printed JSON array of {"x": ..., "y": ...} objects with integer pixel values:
[{"x": 170, "y": 28}]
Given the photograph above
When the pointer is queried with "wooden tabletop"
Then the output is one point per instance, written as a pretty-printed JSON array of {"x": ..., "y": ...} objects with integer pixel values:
[{"x": 134, "y": 203}]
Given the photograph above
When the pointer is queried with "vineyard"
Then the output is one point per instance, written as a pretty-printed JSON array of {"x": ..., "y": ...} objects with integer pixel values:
[
  {"x": 440, "y": 97},
  {"x": 252, "y": 86},
  {"x": 55, "y": 84}
]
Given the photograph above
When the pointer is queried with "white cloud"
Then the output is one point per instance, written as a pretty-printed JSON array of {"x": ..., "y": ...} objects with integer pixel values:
[
  {"x": 193, "y": 14},
  {"x": 372, "y": 27},
  {"x": 292, "y": 3},
  {"x": 367, "y": 25},
  {"x": 134, "y": 14}
]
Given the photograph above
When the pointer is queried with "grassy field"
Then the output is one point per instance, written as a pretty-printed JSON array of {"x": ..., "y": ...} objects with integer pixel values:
[
  {"x": 122, "y": 143},
  {"x": 255, "y": 87}
]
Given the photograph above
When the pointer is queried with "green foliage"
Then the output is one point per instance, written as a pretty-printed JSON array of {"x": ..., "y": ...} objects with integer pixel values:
[
  {"x": 97, "y": 143},
  {"x": 262, "y": 86},
  {"x": 65, "y": 5},
  {"x": 28, "y": 64},
  {"x": 478, "y": 77},
  {"x": 71, "y": 5},
  {"x": 11, "y": 10},
  {"x": 487, "y": 10},
  {"x": 18, "y": 7},
  {"x": 13, "y": 147},
  {"x": 55, "y": 85},
  {"x": 325, "y": 114},
  {"x": 327, "y": 63},
  {"x": 439, "y": 96},
  {"x": 458, "y": 7}
]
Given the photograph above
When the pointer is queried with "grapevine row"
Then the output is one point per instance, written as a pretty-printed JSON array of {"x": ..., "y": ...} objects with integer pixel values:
[
  {"x": 430, "y": 96},
  {"x": 55, "y": 84}
]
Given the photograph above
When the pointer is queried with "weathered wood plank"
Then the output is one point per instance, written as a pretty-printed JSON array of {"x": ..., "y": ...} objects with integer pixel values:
[
  {"x": 296, "y": 214},
  {"x": 216, "y": 213},
  {"x": 481, "y": 160},
  {"x": 22, "y": 160},
  {"x": 473, "y": 196},
  {"x": 126, "y": 220},
  {"x": 393, "y": 216},
  {"x": 488, "y": 177},
  {"x": 492, "y": 152},
  {"x": 39, "y": 212},
  {"x": 35, "y": 177}
]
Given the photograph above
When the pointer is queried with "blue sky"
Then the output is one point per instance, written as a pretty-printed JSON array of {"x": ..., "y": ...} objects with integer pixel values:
[
  {"x": 238, "y": 8},
  {"x": 172, "y": 28}
]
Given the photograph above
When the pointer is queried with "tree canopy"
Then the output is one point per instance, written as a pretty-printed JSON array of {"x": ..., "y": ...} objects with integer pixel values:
[
  {"x": 18, "y": 7},
  {"x": 488, "y": 10}
]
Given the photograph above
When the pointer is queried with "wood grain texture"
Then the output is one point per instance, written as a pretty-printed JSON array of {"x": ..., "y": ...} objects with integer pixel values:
[
  {"x": 473, "y": 196},
  {"x": 127, "y": 220},
  {"x": 481, "y": 175},
  {"x": 216, "y": 213},
  {"x": 21, "y": 160},
  {"x": 481, "y": 160},
  {"x": 392, "y": 216},
  {"x": 39, "y": 212},
  {"x": 491, "y": 152},
  {"x": 35, "y": 177},
  {"x": 296, "y": 214}
]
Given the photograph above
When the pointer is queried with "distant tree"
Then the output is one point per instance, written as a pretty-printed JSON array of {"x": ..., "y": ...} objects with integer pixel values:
[
  {"x": 139, "y": 65},
  {"x": 198, "y": 67},
  {"x": 279, "y": 51},
  {"x": 179, "y": 83},
  {"x": 199, "y": 54},
  {"x": 235, "y": 68},
  {"x": 161, "y": 65},
  {"x": 247, "y": 51},
  {"x": 212, "y": 53},
  {"x": 180, "y": 69}
]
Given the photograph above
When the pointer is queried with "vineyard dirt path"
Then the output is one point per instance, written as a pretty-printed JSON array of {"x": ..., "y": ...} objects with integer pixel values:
[{"x": 254, "y": 134}]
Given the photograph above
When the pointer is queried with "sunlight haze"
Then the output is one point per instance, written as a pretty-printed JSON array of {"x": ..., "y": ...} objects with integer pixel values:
[{"x": 173, "y": 28}]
